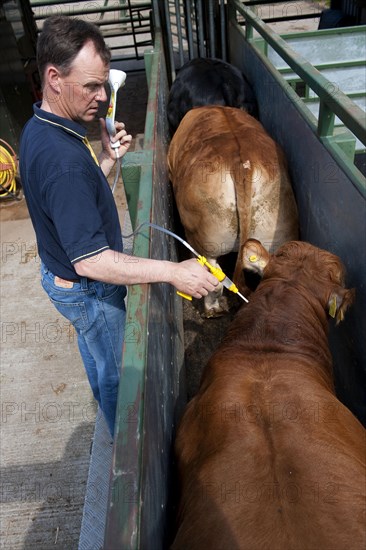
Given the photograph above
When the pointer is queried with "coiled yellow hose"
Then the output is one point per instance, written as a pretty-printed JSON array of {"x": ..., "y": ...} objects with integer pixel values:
[{"x": 8, "y": 170}]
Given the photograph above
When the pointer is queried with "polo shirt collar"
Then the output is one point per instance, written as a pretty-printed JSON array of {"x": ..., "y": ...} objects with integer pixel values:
[{"x": 69, "y": 126}]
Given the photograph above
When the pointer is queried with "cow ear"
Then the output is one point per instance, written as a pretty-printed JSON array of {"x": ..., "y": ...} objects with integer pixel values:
[
  {"x": 339, "y": 301},
  {"x": 254, "y": 256}
]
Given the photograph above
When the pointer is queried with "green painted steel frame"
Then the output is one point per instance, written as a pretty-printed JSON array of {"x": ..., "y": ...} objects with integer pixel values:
[
  {"x": 332, "y": 102},
  {"x": 152, "y": 356},
  {"x": 124, "y": 506}
]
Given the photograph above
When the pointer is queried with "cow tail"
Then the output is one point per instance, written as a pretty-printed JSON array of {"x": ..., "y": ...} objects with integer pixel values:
[
  {"x": 243, "y": 189},
  {"x": 243, "y": 180}
]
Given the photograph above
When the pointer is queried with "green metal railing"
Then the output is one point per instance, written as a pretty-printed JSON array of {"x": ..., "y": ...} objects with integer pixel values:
[
  {"x": 150, "y": 387},
  {"x": 333, "y": 102},
  {"x": 123, "y": 514}
]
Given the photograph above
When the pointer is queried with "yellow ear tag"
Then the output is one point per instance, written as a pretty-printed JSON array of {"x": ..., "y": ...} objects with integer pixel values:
[
  {"x": 253, "y": 258},
  {"x": 333, "y": 307}
]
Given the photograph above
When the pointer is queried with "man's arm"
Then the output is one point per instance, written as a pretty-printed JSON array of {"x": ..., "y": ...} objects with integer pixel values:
[{"x": 118, "y": 268}]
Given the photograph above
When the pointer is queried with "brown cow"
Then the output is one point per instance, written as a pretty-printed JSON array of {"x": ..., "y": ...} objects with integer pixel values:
[
  {"x": 230, "y": 183},
  {"x": 268, "y": 457}
]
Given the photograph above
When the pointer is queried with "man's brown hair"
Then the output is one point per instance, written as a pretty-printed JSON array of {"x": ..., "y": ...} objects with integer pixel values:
[{"x": 62, "y": 38}]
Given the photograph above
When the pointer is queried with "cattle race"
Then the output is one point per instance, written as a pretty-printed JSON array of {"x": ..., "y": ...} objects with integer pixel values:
[{"x": 268, "y": 457}]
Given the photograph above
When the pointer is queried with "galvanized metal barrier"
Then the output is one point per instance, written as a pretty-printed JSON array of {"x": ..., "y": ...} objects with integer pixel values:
[
  {"x": 330, "y": 191},
  {"x": 151, "y": 389}
]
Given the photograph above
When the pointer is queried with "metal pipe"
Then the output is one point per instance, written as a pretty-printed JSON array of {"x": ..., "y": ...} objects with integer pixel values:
[
  {"x": 189, "y": 29},
  {"x": 199, "y": 23},
  {"x": 170, "y": 39},
  {"x": 223, "y": 30},
  {"x": 211, "y": 28},
  {"x": 179, "y": 32}
]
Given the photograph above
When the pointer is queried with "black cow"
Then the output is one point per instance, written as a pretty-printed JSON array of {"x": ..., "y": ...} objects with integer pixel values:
[{"x": 208, "y": 81}]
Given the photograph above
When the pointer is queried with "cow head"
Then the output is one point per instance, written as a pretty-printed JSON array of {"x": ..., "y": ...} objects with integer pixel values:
[{"x": 321, "y": 272}]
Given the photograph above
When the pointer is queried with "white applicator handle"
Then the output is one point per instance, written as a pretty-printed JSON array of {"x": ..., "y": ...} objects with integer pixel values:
[{"x": 116, "y": 80}]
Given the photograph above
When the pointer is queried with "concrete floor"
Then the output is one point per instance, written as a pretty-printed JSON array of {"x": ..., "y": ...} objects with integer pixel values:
[{"x": 48, "y": 411}]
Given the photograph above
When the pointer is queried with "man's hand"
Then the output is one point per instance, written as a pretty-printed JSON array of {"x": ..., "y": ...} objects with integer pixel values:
[
  {"x": 107, "y": 157},
  {"x": 193, "y": 279}
]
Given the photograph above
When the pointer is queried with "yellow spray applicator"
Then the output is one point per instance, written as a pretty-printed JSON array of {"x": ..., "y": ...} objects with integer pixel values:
[{"x": 216, "y": 271}]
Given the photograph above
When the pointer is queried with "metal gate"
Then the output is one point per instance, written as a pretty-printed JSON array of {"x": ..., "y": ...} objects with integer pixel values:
[
  {"x": 198, "y": 28},
  {"x": 126, "y": 24},
  {"x": 193, "y": 28}
]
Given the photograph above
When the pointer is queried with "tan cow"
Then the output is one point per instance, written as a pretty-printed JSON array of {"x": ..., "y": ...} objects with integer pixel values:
[
  {"x": 268, "y": 457},
  {"x": 230, "y": 183}
]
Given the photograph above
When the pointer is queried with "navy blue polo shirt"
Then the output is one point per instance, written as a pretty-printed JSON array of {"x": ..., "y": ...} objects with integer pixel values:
[{"x": 69, "y": 199}]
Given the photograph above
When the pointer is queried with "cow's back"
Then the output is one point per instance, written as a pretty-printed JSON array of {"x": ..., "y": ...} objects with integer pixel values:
[
  {"x": 230, "y": 181},
  {"x": 266, "y": 467}
]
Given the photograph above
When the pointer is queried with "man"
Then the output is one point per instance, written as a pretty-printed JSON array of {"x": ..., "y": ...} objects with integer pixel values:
[{"x": 83, "y": 268}]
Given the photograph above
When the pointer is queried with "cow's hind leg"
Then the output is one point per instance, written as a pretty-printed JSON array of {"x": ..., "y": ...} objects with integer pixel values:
[{"x": 213, "y": 306}]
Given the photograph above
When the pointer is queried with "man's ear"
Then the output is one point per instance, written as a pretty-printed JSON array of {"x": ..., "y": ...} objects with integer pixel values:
[
  {"x": 52, "y": 78},
  {"x": 254, "y": 256},
  {"x": 339, "y": 301}
]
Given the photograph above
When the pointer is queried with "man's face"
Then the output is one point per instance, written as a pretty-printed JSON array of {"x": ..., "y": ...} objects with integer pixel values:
[{"x": 83, "y": 89}]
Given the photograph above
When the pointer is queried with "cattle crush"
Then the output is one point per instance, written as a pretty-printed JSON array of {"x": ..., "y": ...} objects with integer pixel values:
[{"x": 328, "y": 187}]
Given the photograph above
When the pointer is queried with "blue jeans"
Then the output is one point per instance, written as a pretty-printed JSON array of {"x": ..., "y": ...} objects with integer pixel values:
[{"x": 97, "y": 312}]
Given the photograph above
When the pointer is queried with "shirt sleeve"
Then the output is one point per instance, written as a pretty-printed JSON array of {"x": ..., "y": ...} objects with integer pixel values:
[{"x": 71, "y": 200}]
